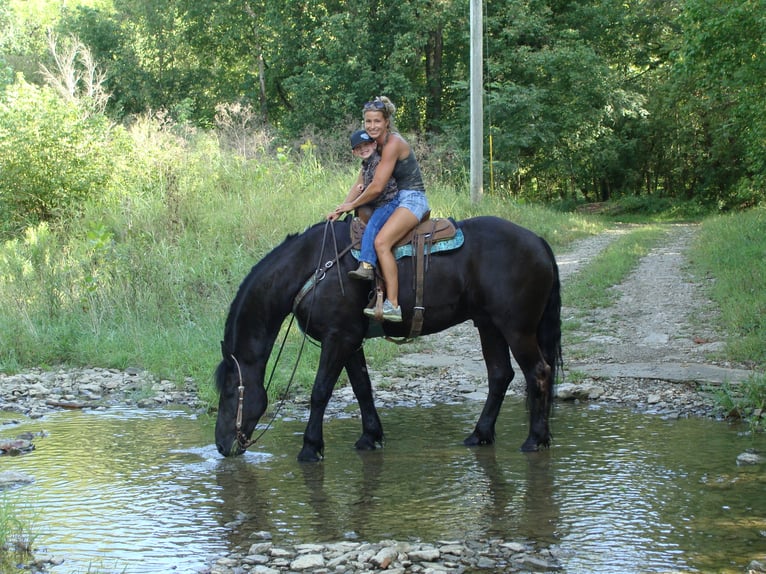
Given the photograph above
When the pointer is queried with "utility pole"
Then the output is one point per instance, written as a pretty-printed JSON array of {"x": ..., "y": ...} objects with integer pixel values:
[{"x": 477, "y": 105}]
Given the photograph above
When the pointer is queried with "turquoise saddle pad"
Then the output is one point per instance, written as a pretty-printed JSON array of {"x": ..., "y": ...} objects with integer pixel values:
[{"x": 408, "y": 251}]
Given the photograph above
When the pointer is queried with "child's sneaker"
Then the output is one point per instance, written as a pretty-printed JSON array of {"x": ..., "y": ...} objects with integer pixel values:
[{"x": 364, "y": 272}]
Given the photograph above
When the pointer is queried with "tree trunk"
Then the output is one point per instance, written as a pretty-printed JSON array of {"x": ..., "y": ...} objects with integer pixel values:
[{"x": 434, "y": 55}]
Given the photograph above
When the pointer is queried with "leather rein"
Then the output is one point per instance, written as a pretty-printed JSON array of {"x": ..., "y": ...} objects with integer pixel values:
[{"x": 319, "y": 274}]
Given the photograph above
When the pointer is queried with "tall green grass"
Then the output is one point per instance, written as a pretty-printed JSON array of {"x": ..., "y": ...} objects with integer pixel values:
[
  {"x": 143, "y": 275},
  {"x": 16, "y": 533},
  {"x": 731, "y": 250}
]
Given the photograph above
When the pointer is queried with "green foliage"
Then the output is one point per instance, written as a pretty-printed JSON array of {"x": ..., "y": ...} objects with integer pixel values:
[
  {"x": 16, "y": 536},
  {"x": 643, "y": 208},
  {"x": 720, "y": 73},
  {"x": 745, "y": 401},
  {"x": 6, "y": 41},
  {"x": 54, "y": 158},
  {"x": 585, "y": 101},
  {"x": 731, "y": 248}
]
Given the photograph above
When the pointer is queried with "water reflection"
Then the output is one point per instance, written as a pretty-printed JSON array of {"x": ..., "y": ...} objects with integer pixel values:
[{"x": 146, "y": 491}]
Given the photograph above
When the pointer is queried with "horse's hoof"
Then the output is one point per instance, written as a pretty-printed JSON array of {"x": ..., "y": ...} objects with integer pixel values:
[
  {"x": 367, "y": 443},
  {"x": 529, "y": 448},
  {"x": 475, "y": 440},
  {"x": 532, "y": 445},
  {"x": 309, "y": 455},
  {"x": 471, "y": 440}
]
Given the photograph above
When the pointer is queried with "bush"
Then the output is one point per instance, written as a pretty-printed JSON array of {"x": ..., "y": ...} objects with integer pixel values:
[{"x": 54, "y": 158}]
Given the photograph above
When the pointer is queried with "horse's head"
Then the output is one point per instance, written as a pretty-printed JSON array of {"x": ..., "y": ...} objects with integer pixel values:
[{"x": 241, "y": 403}]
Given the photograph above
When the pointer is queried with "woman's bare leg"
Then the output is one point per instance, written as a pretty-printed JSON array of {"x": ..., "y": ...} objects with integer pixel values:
[{"x": 398, "y": 225}]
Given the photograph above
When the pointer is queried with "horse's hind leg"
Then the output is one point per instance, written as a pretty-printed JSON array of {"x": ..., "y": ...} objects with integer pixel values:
[
  {"x": 372, "y": 430},
  {"x": 538, "y": 376},
  {"x": 500, "y": 374}
]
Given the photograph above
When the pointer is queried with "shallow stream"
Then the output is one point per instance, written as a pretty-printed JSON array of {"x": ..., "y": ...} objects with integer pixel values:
[{"x": 139, "y": 491}]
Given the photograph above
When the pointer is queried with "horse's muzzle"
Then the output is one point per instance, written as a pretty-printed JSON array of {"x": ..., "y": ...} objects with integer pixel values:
[{"x": 234, "y": 449}]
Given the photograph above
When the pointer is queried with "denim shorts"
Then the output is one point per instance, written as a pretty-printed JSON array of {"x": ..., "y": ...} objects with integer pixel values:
[{"x": 415, "y": 201}]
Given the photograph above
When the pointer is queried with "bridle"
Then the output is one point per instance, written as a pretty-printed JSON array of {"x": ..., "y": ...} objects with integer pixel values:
[
  {"x": 243, "y": 442},
  {"x": 319, "y": 274}
]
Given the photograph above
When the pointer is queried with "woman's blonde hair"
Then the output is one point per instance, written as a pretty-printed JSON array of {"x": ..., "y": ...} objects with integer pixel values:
[{"x": 384, "y": 105}]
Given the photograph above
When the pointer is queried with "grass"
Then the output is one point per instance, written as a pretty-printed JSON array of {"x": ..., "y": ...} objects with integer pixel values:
[
  {"x": 16, "y": 533},
  {"x": 730, "y": 256},
  {"x": 731, "y": 249},
  {"x": 142, "y": 275},
  {"x": 745, "y": 401}
]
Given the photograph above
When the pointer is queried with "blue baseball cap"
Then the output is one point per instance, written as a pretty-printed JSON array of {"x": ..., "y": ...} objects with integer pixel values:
[{"x": 360, "y": 137}]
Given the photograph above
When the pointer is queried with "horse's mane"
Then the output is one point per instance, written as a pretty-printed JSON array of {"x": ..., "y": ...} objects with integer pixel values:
[{"x": 229, "y": 333}]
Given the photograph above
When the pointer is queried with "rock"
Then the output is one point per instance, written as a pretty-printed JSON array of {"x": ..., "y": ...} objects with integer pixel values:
[
  {"x": 454, "y": 549},
  {"x": 576, "y": 391},
  {"x": 537, "y": 563},
  {"x": 280, "y": 553},
  {"x": 749, "y": 458},
  {"x": 307, "y": 562},
  {"x": 16, "y": 446},
  {"x": 256, "y": 559},
  {"x": 424, "y": 555},
  {"x": 260, "y": 548},
  {"x": 11, "y": 478},
  {"x": 261, "y": 535},
  {"x": 513, "y": 547},
  {"x": 385, "y": 557}
]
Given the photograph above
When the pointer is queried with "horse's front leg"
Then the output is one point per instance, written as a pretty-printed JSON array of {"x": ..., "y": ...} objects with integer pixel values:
[
  {"x": 372, "y": 429},
  {"x": 330, "y": 365},
  {"x": 497, "y": 357}
]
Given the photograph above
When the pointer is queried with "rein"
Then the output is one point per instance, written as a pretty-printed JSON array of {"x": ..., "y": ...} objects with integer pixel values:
[{"x": 319, "y": 274}]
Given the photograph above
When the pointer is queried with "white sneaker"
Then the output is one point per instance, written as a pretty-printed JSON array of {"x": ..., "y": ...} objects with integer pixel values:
[{"x": 390, "y": 313}]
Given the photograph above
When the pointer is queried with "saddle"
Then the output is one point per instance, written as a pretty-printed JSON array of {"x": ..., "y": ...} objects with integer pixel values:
[
  {"x": 430, "y": 236},
  {"x": 435, "y": 230}
]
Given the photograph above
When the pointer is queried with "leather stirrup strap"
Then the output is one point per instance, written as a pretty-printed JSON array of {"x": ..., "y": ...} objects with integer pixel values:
[
  {"x": 379, "y": 299},
  {"x": 417, "y": 317}
]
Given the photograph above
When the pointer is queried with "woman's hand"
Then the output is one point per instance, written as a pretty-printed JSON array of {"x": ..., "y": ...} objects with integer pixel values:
[{"x": 340, "y": 210}]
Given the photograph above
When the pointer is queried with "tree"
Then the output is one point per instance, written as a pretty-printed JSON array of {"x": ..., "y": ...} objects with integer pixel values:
[
  {"x": 76, "y": 76},
  {"x": 54, "y": 156},
  {"x": 719, "y": 78}
]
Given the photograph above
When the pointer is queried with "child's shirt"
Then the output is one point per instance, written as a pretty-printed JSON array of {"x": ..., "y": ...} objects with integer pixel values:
[{"x": 368, "y": 172}]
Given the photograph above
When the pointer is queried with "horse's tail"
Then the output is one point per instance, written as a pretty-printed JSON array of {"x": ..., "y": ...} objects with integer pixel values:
[{"x": 549, "y": 329}]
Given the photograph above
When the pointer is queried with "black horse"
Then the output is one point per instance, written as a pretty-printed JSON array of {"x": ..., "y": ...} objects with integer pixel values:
[{"x": 504, "y": 278}]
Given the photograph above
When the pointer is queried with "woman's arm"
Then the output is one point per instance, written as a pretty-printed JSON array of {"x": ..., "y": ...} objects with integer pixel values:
[
  {"x": 388, "y": 158},
  {"x": 356, "y": 189}
]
